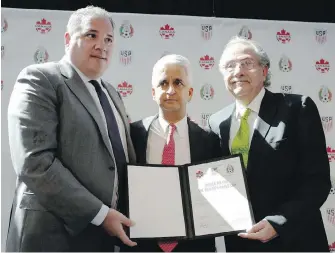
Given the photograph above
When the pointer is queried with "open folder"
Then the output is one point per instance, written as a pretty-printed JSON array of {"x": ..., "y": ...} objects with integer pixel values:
[{"x": 188, "y": 202}]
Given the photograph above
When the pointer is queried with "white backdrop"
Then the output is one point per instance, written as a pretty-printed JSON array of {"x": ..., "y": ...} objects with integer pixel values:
[{"x": 302, "y": 61}]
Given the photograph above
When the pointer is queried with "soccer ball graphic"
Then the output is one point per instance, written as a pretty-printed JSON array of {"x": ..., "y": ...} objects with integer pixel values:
[
  {"x": 126, "y": 30},
  {"x": 325, "y": 94},
  {"x": 285, "y": 64}
]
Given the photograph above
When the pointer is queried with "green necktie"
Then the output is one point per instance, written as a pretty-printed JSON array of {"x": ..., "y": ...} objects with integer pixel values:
[{"x": 240, "y": 143}]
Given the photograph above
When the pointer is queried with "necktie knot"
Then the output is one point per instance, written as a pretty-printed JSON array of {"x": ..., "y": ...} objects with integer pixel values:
[
  {"x": 96, "y": 85},
  {"x": 246, "y": 114},
  {"x": 173, "y": 128}
]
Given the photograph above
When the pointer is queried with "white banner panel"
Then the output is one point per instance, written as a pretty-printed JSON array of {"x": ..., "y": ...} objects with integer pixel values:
[{"x": 302, "y": 61}]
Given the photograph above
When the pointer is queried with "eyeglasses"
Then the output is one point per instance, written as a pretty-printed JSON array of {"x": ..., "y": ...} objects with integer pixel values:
[{"x": 245, "y": 64}]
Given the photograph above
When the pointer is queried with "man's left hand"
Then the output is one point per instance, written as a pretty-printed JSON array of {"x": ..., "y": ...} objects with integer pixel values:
[{"x": 262, "y": 231}]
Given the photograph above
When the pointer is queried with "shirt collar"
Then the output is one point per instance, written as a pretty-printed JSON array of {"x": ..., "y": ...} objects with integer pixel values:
[
  {"x": 81, "y": 74},
  {"x": 254, "y": 105},
  {"x": 181, "y": 126}
]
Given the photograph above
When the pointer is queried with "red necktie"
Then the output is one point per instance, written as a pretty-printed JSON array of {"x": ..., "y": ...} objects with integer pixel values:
[{"x": 168, "y": 158}]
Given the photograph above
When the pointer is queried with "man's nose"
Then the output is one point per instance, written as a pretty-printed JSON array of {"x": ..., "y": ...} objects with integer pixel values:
[
  {"x": 171, "y": 89},
  {"x": 238, "y": 70},
  {"x": 100, "y": 44}
]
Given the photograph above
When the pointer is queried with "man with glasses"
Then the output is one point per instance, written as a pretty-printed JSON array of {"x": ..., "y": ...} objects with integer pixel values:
[{"x": 283, "y": 146}]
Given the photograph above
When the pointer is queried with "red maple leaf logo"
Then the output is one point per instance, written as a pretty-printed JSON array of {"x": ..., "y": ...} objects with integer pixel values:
[
  {"x": 206, "y": 62},
  {"x": 206, "y": 58},
  {"x": 43, "y": 22},
  {"x": 125, "y": 89},
  {"x": 167, "y": 28},
  {"x": 283, "y": 36},
  {"x": 43, "y": 26},
  {"x": 322, "y": 61},
  {"x": 322, "y": 66},
  {"x": 167, "y": 32},
  {"x": 283, "y": 32},
  {"x": 332, "y": 247}
]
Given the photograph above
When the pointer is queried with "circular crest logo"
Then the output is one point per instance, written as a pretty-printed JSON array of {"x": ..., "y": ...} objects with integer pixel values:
[
  {"x": 199, "y": 174},
  {"x": 4, "y": 25},
  {"x": 325, "y": 94},
  {"x": 230, "y": 169},
  {"x": 41, "y": 55},
  {"x": 207, "y": 92},
  {"x": 43, "y": 26},
  {"x": 322, "y": 66},
  {"x": 332, "y": 247},
  {"x": 167, "y": 32},
  {"x": 332, "y": 190},
  {"x": 245, "y": 33},
  {"x": 207, "y": 62},
  {"x": 284, "y": 36},
  {"x": 285, "y": 64},
  {"x": 125, "y": 89},
  {"x": 126, "y": 30}
]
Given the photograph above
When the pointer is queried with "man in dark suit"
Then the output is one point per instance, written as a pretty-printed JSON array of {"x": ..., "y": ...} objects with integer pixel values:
[
  {"x": 283, "y": 146},
  {"x": 70, "y": 141},
  {"x": 153, "y": 136}
]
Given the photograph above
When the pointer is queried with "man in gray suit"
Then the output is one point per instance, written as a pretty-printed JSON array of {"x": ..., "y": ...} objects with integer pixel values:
[{"x": 69, "y": 140}]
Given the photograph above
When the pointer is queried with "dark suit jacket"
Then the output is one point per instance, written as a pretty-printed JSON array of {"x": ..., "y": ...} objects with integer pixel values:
[
  {"x": 204, "y": 145},
  {"x": 63, "y": 159},
  {"x": 287, "y": 173}
]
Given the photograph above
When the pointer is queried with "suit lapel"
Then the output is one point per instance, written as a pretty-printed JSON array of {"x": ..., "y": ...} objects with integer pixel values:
[
  {"x": 142, "y": 139},
  {"x": 117, "y": 102},
  {"x": 122, "y": 112},
  {"x": 266, "y": 114},
  {"x": 225, "y": 128},
  {"x": 77, "y": 86},
  {"x": 194, "y": 135},
  {"x": 265, "y": 118}
]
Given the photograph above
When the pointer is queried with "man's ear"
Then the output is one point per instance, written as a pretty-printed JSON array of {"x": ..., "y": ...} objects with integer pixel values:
[
  {"x": 190, "y": 94},
  {"x": 265, "y": 71},
  {"x": 67, "y": 39},
  {"x": 153, "y": 93}
]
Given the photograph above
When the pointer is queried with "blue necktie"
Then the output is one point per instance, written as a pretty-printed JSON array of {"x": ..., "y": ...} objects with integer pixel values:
[{"x": 113, "y": 129}]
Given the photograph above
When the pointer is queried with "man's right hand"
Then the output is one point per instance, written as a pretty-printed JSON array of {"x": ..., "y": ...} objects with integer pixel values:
[{"x": 113, "y": 224}]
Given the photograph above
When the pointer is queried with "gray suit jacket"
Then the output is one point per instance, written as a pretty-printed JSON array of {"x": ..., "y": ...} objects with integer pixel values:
[{"x": 61, "y": 153}]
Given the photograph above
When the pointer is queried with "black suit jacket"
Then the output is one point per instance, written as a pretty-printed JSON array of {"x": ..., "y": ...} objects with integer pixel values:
[
  {"x": 288, "y": 172},
  {"x": 204, "y": 145}
]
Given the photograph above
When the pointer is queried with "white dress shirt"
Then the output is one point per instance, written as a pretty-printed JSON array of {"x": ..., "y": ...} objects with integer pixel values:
[
  {"x": 99, "y": 218},
  {"x": 253, "y": 119},
  {"x": 158, "y": 135}
]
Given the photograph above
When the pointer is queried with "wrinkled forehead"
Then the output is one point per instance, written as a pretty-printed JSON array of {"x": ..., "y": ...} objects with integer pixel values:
[{"x": 238, "y": 52}]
